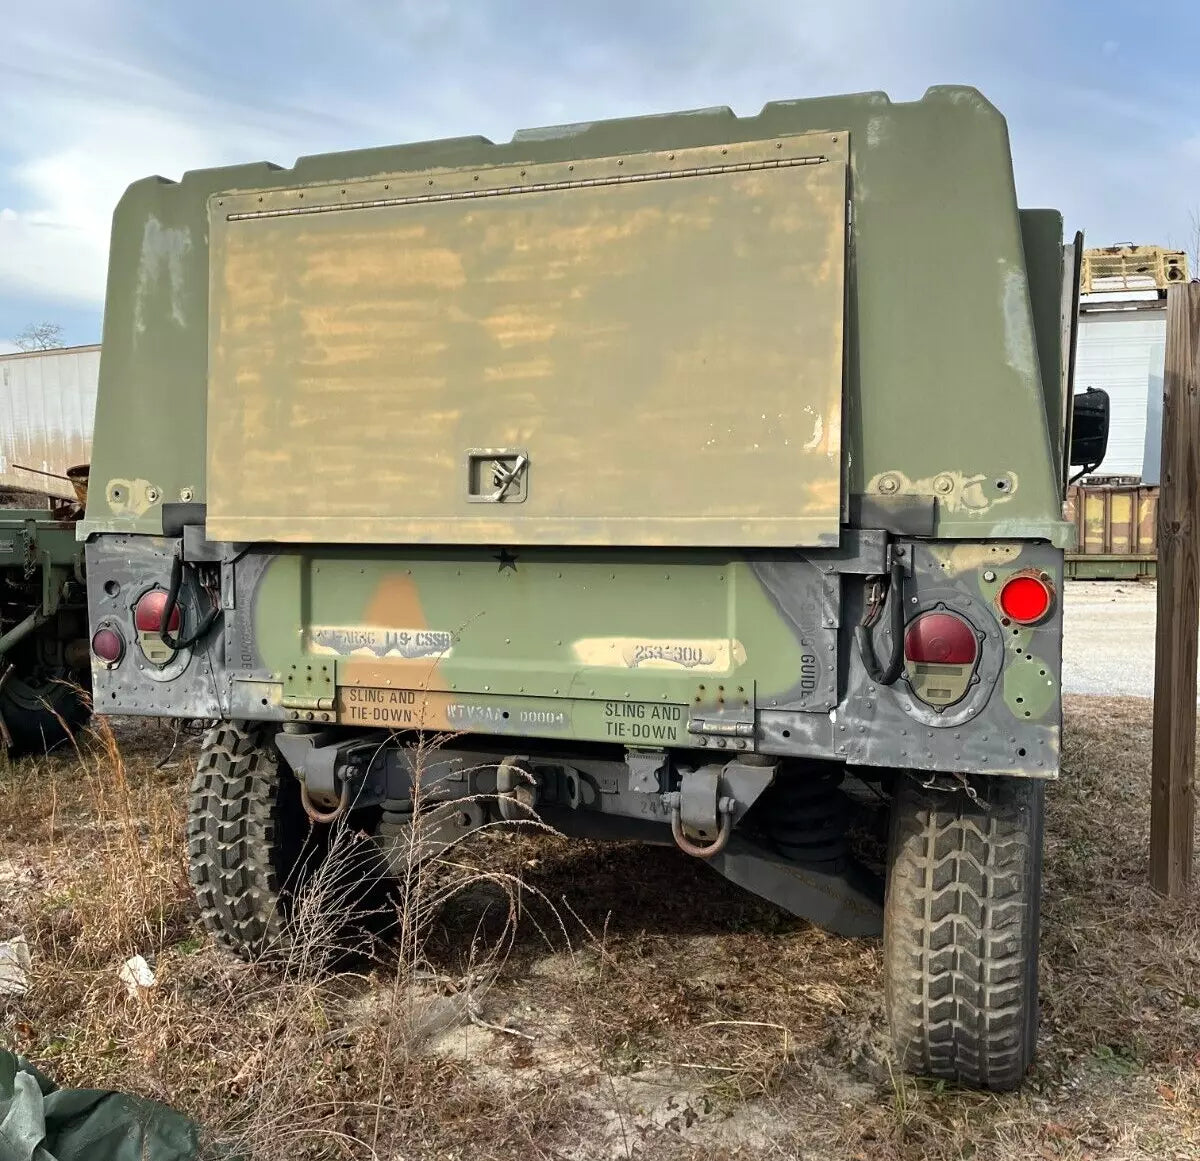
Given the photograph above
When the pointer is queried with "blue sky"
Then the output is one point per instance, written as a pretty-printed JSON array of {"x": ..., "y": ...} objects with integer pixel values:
[{"x": 1103, "y": 98}]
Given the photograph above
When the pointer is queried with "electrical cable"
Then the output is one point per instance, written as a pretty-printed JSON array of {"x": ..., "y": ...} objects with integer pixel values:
[
  {"x": 894, "y": 600},
  {"x": 206, "y": 622}
]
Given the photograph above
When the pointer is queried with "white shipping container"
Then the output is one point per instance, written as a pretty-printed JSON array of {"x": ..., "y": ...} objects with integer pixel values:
[
  {"x": 47, "y": 408},
  {"x": 1121, "y": 351}
]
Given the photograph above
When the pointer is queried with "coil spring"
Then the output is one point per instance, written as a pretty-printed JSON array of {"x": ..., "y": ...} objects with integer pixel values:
[{"x": 809, "y": 817}]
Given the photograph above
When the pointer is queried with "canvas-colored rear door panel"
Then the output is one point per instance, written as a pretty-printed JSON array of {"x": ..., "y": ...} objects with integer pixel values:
[{"x": 639, "y": 350}]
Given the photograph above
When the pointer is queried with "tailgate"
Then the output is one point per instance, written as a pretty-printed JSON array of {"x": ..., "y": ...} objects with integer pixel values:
[{"x": 628, "y": 350}]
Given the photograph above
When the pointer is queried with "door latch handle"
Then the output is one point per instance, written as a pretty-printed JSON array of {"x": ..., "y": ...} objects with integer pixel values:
[{"x": 505, "y": 477}]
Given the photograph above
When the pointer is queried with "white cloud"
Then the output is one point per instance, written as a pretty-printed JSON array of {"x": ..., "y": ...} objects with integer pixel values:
[
  {"x": 92, "y": 148},
  {"x": 44, "y": 256},
  {"x": 84, "y": 124},
  {"x": 125, "y": 88},
  {"x": 59, "y": 248},
  {"x": 93, "y": 110}
]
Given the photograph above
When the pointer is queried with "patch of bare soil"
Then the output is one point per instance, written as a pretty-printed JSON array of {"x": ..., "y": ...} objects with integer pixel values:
[{"x": 568, "y": 1000}]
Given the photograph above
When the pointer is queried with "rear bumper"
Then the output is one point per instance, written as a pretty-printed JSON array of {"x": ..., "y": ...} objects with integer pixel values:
[{"x": 699, "y": 650}]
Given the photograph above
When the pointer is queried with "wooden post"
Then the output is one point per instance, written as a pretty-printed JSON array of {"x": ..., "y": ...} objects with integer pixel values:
[{"x": 1172, "y": 801}]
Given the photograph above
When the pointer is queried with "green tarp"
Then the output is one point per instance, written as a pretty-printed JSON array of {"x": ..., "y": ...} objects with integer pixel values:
[{"x": 41, "y": 1122}]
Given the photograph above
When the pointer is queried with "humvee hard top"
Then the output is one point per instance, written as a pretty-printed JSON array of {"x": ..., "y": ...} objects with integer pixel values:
[{"x": 684, "y": 477}]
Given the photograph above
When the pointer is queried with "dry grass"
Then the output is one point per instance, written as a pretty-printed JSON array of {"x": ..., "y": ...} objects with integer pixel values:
[{"x": 625, "y": 1002}]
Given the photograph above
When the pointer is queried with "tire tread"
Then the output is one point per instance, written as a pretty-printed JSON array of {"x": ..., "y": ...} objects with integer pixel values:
[
  {"x": 961, "y": 930},
  {"x": 235, "y": 836}
]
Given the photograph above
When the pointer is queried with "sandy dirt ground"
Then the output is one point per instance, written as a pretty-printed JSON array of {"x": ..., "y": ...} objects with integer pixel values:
[
  {"x": 1108, "y": 638},
  {"x": 565, "y": 1001}
]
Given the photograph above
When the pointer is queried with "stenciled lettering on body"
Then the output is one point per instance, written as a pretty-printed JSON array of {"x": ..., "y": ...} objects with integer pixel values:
[
  {"x": 410, "y": 644},
  {"x": 704, "y": 655},
  {"x": 688, "y": 656},
  {"x": 466, "y": 714},
  {"x": 414, "y": 709},
  {"x": 382, "y": 707},
  {"x": 636, "y": 721}
]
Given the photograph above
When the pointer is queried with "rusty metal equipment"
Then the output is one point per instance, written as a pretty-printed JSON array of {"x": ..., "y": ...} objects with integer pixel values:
[
  {"x": 1120, "y": 268},
  {"x": 1115, "y": 530}
]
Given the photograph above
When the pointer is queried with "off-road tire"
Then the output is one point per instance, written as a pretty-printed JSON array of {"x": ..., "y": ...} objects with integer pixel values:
[
  {"x": 42, "y": 713},
  {"x": 249, "y": 842},
  {"x": 961, "y": 930}
]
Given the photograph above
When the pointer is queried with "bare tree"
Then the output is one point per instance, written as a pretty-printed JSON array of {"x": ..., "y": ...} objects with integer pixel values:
[{"x": 42, "y": 336}]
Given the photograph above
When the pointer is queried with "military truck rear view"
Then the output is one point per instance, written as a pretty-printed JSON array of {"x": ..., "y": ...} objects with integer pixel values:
[{"x": 684, "y": 477}]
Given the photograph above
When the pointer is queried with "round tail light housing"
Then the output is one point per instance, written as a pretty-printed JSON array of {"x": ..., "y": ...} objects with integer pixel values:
[
  {"x": 148, "y": 615},
  {"x": 148, "y": 621},
  {"x": 941, "y": 651},
  {"x": 1026, "y": 598},
  {"x": 940, "y": 639},
  {"x": 108, "y": 645}
]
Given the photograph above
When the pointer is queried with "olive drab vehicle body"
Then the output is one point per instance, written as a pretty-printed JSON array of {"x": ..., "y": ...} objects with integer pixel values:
[{"x": 681, "y": 473}]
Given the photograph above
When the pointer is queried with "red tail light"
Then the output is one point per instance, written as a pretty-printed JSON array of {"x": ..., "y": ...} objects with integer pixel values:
[
  {"x": 941, "y": 639},
  {"x": 148, "y": 615},
  {"x": 1026, "y": 598},
  {"x": 108, "y": 645}
]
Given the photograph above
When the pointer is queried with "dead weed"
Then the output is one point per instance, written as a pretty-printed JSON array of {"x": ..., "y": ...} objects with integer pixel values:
[{"x": 577, "y": 1000}]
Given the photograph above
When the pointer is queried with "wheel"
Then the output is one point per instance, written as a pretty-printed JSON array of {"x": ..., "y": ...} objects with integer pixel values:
[
  {"x": 246, "y": 832},
  {"x": 254, "y": 859},
  {"x": 41, "y": 710},
  {"x": 961, "y": 929}
]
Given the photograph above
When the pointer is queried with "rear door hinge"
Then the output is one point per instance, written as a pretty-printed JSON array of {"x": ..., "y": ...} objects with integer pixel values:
[
  {"x": 309, "y": 685},
  {"x": 728, "y": 715},
  {"x": 723, "y": 727}
]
